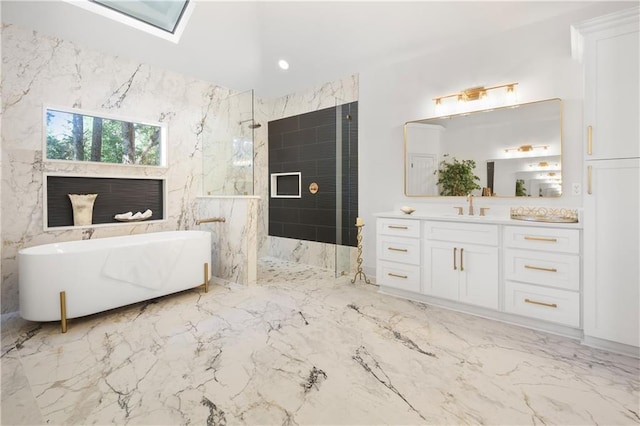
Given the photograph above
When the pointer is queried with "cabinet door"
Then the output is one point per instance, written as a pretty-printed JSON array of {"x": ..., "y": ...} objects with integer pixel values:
[
  {"x": 611, "y": 251},
  {"x": 441, "y": 269},
  {"x": 479, "y": 275},
  {"x": 611, "y": 92}
]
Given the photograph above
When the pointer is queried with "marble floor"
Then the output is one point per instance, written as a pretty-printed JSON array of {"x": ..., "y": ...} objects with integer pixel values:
[{"x": 304, "y": 348}]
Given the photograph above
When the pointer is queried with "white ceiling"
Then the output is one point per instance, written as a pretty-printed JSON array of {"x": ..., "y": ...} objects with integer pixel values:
[{"x": 237, "y": 44}]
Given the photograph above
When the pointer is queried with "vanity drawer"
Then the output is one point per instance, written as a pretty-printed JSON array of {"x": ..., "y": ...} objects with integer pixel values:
[
  {"x": 398, "y": 249},
  {"x": 472, "y": 233},
  {"x": 548, "y": 304},
  {"x": 404, "y": 277},
  {"x": 547, "y": 239},
  {"x": 550, "y": 269},
  {"x": 399, "y": 227}
]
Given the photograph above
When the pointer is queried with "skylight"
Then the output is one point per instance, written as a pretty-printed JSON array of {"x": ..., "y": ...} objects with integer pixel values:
[
  {"x": 162, "y": 18},
  {"x": 163, "y": 14}
]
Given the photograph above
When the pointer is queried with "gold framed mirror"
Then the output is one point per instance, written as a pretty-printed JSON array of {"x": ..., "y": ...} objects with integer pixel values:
[{"x": 515, "y": 151}]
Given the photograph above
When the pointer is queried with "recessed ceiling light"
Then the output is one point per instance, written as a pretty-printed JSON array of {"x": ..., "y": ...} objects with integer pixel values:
[{"x": 283, "y": 64}]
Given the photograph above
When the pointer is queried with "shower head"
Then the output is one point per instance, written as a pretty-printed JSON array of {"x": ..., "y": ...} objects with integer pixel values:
[{"x": 253, "y": 124}]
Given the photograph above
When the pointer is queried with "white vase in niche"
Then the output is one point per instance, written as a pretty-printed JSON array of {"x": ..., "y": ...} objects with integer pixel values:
[{"x": 82, "y": 208}]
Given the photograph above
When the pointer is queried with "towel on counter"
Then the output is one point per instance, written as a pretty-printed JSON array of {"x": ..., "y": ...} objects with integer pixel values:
[{"x": 144, "y": 265}]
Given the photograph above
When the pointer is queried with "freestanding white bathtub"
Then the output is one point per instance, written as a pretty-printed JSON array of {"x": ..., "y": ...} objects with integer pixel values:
[{"x": 106, "y": 273}]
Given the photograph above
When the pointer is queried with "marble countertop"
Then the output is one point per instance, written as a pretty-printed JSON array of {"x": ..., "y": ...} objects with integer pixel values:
[{"x": 493, "y": 219}]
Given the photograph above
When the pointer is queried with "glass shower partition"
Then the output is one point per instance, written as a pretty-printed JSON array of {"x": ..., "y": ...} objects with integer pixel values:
[
  {"x": 228, "y": 150},
  {"x": 346, "y": 186}
]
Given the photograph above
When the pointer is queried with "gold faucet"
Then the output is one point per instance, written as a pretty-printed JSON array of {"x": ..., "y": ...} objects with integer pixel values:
[{"x": 470, "y": 200}]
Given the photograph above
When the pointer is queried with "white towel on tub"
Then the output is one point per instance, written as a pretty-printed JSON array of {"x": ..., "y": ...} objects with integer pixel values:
[{"x": 144, "y": 265}]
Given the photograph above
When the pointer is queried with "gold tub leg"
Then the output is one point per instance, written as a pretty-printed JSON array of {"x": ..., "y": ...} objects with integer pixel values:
[
  {"x": 63, "y": 311},
  {"x": 206, "y": 277}
]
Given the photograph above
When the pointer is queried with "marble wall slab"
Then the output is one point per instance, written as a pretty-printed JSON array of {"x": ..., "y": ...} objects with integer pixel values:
[
  {"x": 38, "y": 70},
  {"x": 233, "y": 242}
]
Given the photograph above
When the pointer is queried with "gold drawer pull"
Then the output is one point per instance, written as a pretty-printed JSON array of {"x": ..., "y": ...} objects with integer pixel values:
[
  {"x": 397, "y": 276},
  {"x": 455, "y": 249},
  {"x": 551, "y": 240},
  {"x": 539, "y": 268},
  {"x": 397, "y": 227},
  {"x": 397, "y": 249},
  {"x": 533, "y": 302},
  {"x": 589, "y": 140},
  {"x": 391, "y": 274}
]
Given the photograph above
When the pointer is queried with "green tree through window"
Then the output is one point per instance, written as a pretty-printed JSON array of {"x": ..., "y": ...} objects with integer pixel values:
[{"x": 73, "y": 136}]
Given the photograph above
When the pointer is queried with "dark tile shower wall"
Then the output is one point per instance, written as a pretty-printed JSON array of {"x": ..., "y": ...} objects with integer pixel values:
[{"x": 306, "y": 143}]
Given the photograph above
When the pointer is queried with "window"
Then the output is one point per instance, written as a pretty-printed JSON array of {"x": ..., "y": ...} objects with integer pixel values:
[{"x": 74, "y": 136}]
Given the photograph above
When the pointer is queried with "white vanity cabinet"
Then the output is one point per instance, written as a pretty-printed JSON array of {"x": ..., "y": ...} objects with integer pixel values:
[
  {"x": 398, "y": 253},
  {"x": 542, "y": 273},
  {"x": 460, "y": 262},
  {"x": 504, "y": 269}
]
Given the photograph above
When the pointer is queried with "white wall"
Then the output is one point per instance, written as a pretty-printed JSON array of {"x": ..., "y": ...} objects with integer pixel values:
[{"x": 538, "y": 57}]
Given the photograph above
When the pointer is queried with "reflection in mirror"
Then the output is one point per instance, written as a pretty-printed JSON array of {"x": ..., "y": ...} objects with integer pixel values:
[
  {"x": 74, "y": 136},
  {"x": 516, "y": 150}
]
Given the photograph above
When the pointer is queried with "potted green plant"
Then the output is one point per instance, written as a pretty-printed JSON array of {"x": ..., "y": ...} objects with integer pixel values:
[
  {"x": 456, "y": 178},
  {"x": 521, "y": 191}
]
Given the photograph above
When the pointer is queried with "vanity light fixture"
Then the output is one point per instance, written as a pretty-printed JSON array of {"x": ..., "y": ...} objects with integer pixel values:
[
  {"x": 480, "y": 93},
  {"x": 527, "y": 148}
]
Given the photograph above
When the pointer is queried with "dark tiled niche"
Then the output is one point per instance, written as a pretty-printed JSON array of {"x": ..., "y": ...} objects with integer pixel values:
[
  {"x": 115, "y": 195},
  {"x": 308, "y": 144}
]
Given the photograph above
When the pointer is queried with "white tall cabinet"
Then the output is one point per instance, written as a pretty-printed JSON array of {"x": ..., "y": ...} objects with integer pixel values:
[{"x": 609, "y": 48}]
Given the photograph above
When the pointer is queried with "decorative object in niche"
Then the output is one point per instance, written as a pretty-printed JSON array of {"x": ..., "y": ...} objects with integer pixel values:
[
  {"x": 131, "y": 217},
  {"x": 522, "y": 141},
  {"x": 456, "y": 178},
  {"x": 545, "y": 214},
  {"x": 74, "y": 135},
  {"x": 82, "y": 208}
]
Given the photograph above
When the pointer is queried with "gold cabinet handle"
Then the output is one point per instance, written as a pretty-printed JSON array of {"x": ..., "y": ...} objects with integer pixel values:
[
  {"x": 589, "y": 140},
  {"x": 461, "y": 259},
  {"x": 397, "y": 275},
  {"x": 535, "y": 302},
  {"x": 551, "y": 240},
  {"x": 455, "y": 250},
  {"x": 539, "y": 268},
  {"x": 397, "y": 249},
  {"x": 397, "y": 227},
  {"x": 589, "y": 173}
]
